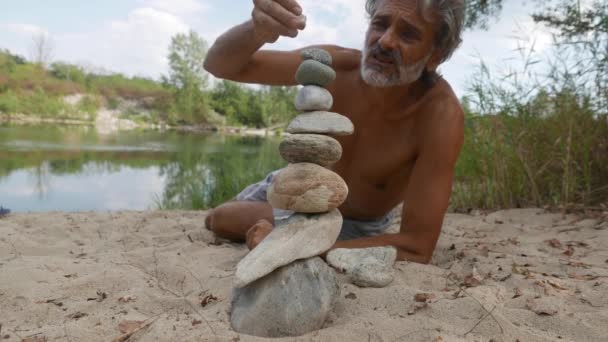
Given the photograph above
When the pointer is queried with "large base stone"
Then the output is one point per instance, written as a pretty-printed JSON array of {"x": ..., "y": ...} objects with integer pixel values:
[{"x": 291, "y": 301}]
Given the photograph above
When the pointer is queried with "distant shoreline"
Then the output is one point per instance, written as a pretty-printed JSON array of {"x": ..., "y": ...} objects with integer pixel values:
[{"x": 21, "y": 119}]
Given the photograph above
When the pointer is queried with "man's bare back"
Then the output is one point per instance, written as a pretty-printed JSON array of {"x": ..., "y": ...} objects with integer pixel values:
[{"x": 407, "y": 136}]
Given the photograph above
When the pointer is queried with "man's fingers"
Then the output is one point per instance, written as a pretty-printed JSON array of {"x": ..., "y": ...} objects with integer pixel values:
[
  {"x": 281, "y": 14},
  {"x": 292, "y": 6},
  {"x": 265, "y": 20}
]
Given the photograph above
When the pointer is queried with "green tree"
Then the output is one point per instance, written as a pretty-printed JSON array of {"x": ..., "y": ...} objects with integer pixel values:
[
  {"x": 278, "y": 104},
  {"x": 478, "y": 12},
  {"x": 188, "y": 77},
  {"x": 229, "y": 99},
  {"x": 581, "y": 31},
  {"x": 69, "y": 72}
]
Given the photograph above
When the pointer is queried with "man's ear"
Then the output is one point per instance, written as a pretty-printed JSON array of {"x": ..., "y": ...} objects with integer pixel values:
[{"x": 435, "y": 60}]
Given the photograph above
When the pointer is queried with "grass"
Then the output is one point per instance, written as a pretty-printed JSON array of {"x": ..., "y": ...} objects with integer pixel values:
[{"x": 529, "y": 143}]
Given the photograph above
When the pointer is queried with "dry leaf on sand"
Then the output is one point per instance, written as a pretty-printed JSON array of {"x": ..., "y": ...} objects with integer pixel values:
[
  {"x": 127, "y": 299},
  {"x": 554, "y": 243},
  {"x": 423, "y": 297},
  {"x": 417, "y": 307},
  {"x": 208, "y": 300},
  {"x": 472, "y": 280},
  {"x": 518, "y": 293},
  {"x": 35, "y": 339},
  {"x": 555, "y": 284},
  {"x": 127, "y": 327},
  {"x": 583, "y": 277}
]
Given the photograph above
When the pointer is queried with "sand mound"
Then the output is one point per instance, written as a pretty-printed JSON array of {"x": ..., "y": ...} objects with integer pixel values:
[{"x": 511, "y": 275}]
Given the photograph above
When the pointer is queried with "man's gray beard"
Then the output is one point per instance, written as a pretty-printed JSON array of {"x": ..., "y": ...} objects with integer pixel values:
[{"x": 405, "y": 74}]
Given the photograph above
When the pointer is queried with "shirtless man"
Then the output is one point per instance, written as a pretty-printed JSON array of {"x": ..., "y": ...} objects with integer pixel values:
[{"x": 408, "y": 122}]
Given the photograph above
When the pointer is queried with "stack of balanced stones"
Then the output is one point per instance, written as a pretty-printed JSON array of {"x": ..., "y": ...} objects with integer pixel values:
[
  {"x": 306, "y": 186},
  {"x": 282, "y": 287}
]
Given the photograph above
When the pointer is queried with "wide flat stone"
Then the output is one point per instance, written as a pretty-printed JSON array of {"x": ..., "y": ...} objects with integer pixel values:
[
  {"x": 313, "y": 98},
  {"x": 317, "y": 54},
  {"x": 321, "y": 122},
  {"x": 307, "y": 188},
  {"x": 291, "y": 301},
  {"x": 366, "y": 267},
  {"x": 300, "y": 236},
  {"x": 311, "y": 72},
  {"x": 310, "y": 148}
]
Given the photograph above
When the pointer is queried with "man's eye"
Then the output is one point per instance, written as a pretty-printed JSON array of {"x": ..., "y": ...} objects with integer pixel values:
[
  {"x": 409, "y": 36},
  {"x": 379, "y": 24}
]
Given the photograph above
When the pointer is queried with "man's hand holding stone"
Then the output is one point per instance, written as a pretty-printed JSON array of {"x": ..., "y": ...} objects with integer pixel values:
[{"x": 275, "y": 18}]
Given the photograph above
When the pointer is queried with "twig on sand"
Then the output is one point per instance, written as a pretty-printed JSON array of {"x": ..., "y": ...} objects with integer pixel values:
[
  {"x": 156, "y": 274},
  {"x": 124, "y": 337},
  {"x": 573, "y": 229},
  {"x": 127, "y": 335},
  {"x": 489, "y": 313},
  {"x": 184, "y": 295}
]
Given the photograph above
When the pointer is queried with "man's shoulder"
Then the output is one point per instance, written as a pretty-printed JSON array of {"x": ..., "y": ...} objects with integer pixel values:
[
  {"x": 443, "y": 120},
  {"x": 442, "y": 104}
]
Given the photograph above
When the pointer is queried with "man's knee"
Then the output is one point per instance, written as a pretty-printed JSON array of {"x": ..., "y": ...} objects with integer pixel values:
[{"x": 238, "y": 214}]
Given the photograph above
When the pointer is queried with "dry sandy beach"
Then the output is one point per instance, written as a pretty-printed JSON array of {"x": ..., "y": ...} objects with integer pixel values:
[{"x": 523, "y": 274}]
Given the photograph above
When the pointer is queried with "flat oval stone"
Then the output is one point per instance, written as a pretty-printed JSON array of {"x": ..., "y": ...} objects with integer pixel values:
[
  {"x": 307, "y": 188},
  {"x": 319, "y": 55},
  {"x": 321, "y": 123},
  {"x": 285, "y": 244},
  {"x": 311, "y": 148},
  {"x": 311, "y": 72},
  {"x": 313, "y": 98}
]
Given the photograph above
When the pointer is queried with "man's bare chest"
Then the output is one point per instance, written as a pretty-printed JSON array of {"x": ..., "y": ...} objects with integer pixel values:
[{"x": 380, "y": 151}]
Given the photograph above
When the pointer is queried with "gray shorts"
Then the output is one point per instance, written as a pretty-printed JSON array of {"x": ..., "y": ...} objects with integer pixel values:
[{"x": 351, "y": 229}]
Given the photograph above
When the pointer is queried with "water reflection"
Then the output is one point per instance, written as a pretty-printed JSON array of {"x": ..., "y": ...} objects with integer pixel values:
[{"x": 73, "y": 168}]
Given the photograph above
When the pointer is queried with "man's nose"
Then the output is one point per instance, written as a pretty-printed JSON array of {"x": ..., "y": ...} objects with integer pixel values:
[{"x": 388, "y": 40}]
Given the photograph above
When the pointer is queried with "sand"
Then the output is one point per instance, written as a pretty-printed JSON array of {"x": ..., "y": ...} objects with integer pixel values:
[{"x": 512, "y": 275}]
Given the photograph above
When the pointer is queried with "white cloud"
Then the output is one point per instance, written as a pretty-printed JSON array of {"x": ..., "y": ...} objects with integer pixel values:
[
  {"x": 136, "y": 45},
  {"x": 26, "y": 29},
  {"x": 177, "y": 7},
  {"x": 339, "y": 22}
]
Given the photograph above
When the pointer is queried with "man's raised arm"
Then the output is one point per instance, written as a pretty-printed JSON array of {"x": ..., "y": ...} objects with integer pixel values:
[{"x": 235, "y": 55}]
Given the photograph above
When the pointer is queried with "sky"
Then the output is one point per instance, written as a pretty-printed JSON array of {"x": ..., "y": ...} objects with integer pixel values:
[{"x": 132, "y": 36}]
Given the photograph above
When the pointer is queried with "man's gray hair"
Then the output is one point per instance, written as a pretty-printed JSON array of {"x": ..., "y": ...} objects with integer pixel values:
[{"x": 451, "y": 20}]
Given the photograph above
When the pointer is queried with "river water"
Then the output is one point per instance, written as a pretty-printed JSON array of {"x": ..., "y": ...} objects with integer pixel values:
[{"x": 73, "y": 168}]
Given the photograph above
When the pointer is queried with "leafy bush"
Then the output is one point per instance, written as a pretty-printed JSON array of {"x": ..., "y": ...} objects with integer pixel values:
[
  {"x": 531, "y": 144},
  {"x": 89, "y": 104},
  {"x": 9, "y": 102}
]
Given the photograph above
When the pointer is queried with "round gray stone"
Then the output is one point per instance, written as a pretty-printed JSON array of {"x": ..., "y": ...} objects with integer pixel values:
[
  {"x": 291, "y": 301},
  {"x": 310, "y": 148},
  {"x": 311, "y": 72},
  {"x": 321, "y": 123},
  {"x": 313, "y": 98},
  {"x": 366, "y": 267},
  {"x": 317, "y": 54}
]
